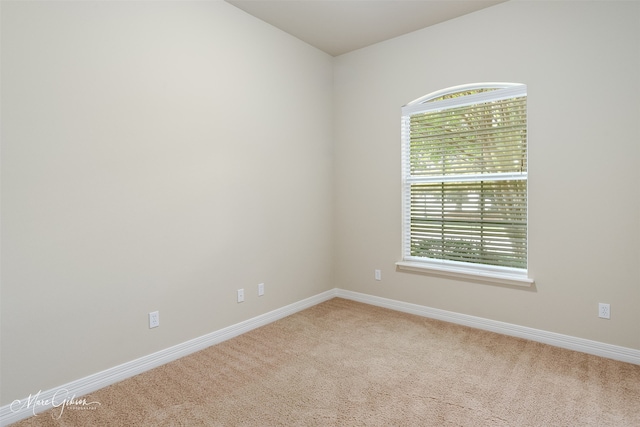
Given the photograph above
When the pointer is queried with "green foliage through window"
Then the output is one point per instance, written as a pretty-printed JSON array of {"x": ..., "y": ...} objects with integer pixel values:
[{"x": 465, "y": 177}]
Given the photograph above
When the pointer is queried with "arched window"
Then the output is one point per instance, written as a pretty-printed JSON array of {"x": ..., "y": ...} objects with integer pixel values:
[{"x": 464, "y": 167}]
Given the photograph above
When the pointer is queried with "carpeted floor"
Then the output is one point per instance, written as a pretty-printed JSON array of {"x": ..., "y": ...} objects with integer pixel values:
[{"x": 343, "y": 363}]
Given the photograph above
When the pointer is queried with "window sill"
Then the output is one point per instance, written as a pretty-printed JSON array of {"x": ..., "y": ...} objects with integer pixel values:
[{"x": 491, "y": 277}]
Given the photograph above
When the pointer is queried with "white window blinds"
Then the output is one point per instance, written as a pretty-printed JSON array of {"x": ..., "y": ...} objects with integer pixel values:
[{"x": 465, "y": 177}]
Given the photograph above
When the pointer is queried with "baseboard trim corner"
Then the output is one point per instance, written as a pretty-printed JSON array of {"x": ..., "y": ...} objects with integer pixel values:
[
  {"x": 113, "y": 375},
  {"x": 596, "y": 348}
]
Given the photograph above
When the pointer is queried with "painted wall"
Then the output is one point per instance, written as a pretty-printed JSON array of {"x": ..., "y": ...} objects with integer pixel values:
[
  {"x": 155, "y": 156},
  {"x": 581, "y": 63},
  {"x": 150, "y": 152}
]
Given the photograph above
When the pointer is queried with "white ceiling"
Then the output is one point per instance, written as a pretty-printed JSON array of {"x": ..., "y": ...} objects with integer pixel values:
[{"x": 340, "y": 26}]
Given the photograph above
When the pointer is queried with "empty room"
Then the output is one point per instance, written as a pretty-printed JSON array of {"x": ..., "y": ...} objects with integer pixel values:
[{"x": 320, "y": 213}]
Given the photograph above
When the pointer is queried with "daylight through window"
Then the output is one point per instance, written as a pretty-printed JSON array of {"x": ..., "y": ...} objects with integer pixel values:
[{"x": 465, "y": 178}]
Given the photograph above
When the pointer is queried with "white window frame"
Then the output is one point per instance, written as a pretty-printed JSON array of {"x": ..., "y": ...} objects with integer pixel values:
[{"x": 441, "y": 267}]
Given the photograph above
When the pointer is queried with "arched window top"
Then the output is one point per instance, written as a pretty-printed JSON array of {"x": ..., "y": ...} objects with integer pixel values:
[
  {"x": 460, "y": 96},
  {"x": 463, "y": 90}
]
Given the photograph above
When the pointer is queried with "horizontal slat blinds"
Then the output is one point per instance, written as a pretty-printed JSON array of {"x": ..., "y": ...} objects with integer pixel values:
[
  {"x": 476, "y": 139},
  {"x": 465, "y": 178},
  {"x": 482, "y": 222}
]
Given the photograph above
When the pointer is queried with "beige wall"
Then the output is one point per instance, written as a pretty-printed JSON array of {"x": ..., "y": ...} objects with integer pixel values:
[
  {"x": 155, "y": 156},
  {"x": 581, "y": 62},
  {"x": 149, "y": 151}
]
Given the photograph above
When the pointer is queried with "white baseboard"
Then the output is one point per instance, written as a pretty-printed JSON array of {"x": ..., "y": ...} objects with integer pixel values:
[
  {"x": 83, "y": 386},
  {"x": 113, "y": 375},
  {"x": 609, "y": 351}
]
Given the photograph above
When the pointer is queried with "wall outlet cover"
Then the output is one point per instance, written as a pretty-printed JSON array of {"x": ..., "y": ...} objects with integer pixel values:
[{"x": 154, "y": 319}]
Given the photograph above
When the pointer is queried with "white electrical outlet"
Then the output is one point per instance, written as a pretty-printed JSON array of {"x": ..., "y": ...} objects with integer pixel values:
[
  {"x": 154, "y": 319},
  {"x": 260, "y": 289},
  {"x": 378, "y": 274},
  {"x": 240, "y": 295},
  {"x": 604, "y": 311}
]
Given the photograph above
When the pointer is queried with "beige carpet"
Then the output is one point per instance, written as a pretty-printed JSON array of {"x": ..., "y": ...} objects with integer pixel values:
[{"x": 343, "y": 363}]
